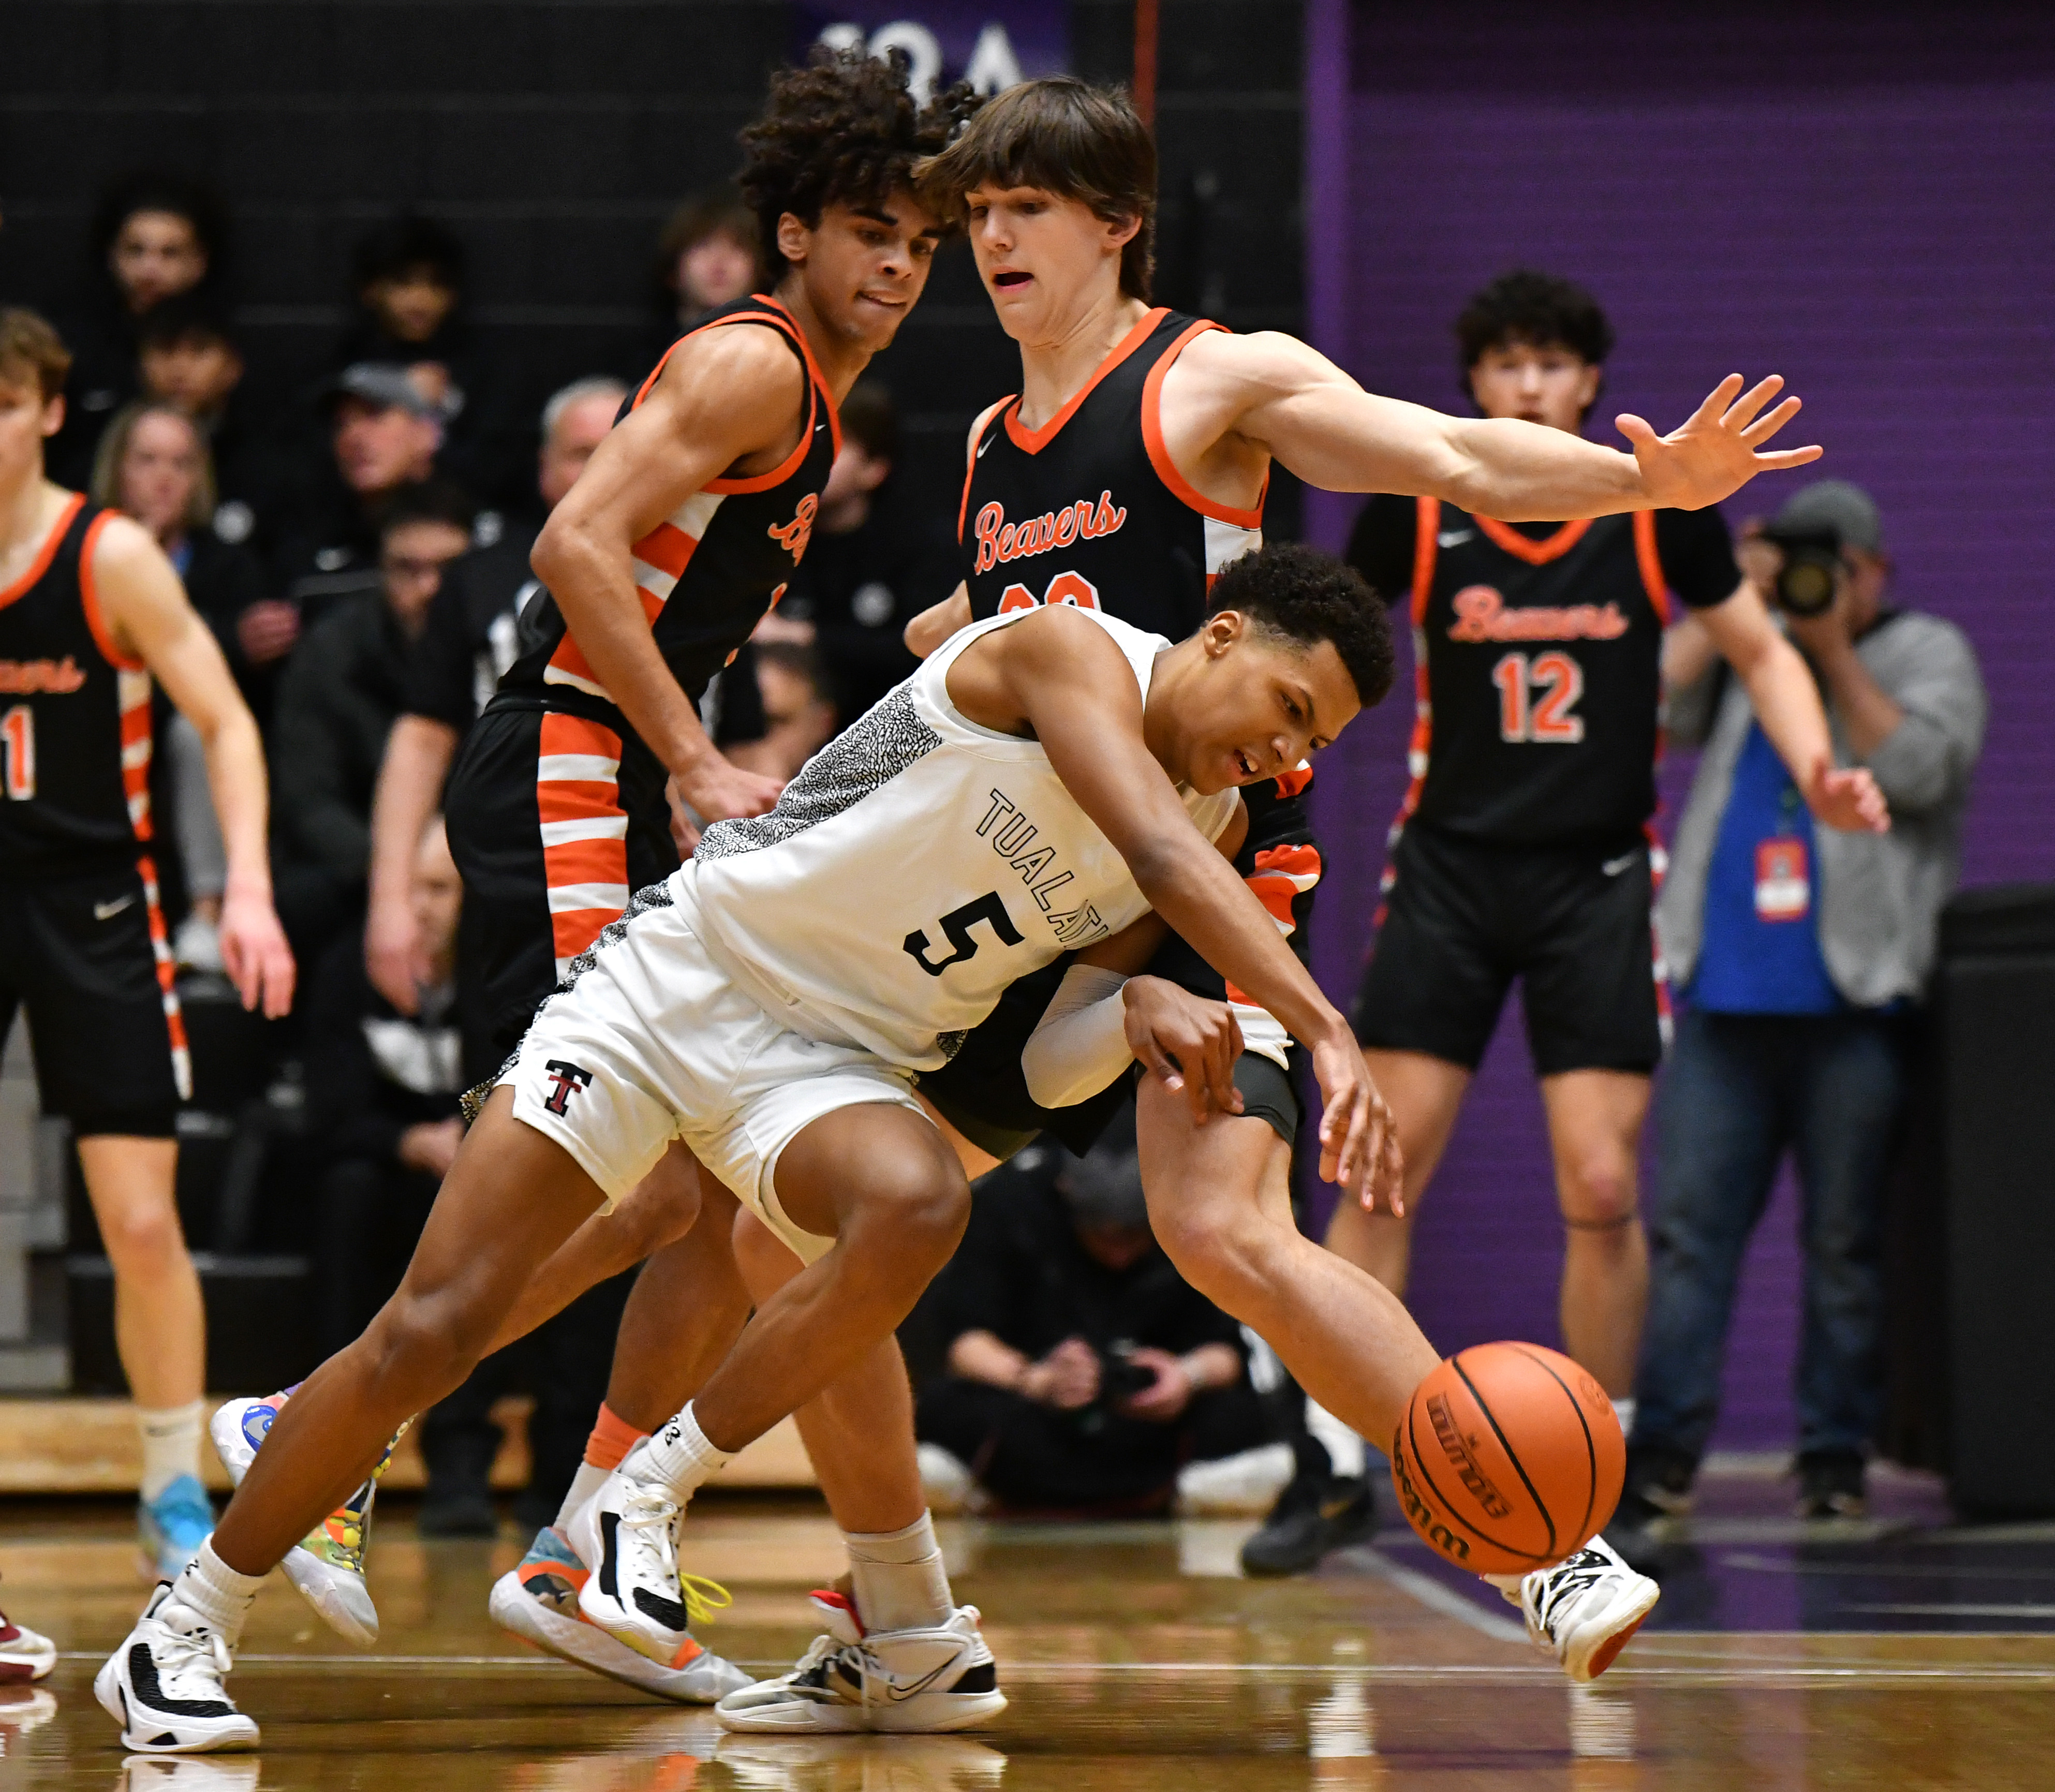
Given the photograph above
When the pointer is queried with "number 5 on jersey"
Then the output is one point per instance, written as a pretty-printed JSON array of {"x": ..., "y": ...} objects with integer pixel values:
[
  {"x": 1536, "y": 701},
  {"x": 956, "y": 926}
]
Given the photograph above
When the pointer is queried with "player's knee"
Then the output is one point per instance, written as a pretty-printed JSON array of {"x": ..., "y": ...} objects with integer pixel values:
[
  {"x": 144, "y": 1238},
  {"x": 920, "y": 1215},
  {"x": 427, "y": 1343},
  {"x": 1599, "y": 1191},
  {"x": 1223, "y": 1254}
]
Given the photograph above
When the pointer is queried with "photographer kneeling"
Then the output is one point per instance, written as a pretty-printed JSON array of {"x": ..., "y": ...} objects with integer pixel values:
[
  {"x": 1083, "y": 1373},
  {"x": 1802, "y": 954}
]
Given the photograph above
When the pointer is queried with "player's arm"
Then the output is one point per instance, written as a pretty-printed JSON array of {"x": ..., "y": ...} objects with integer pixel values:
[
  {"x": 418, "y": 752},
  {"x": 937, "y": 622},
  {"x": 1274, "y": 393},
  {"x": 149, "y": 619},
  {"x": 725, "y": 395},
  {"x": 1787, "y": 703},
  {"x": 1073, "y": 688}
]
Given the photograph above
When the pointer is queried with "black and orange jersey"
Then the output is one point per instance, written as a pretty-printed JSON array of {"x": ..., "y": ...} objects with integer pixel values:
[
  {"x": 75, "y": 727},
  {"x": 708, "y": 572},
  {"x": 1537, "y": 654},
  {"x": 1088, "y": 509}
]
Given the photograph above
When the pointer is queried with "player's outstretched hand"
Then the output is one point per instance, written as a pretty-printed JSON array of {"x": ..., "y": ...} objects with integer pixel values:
[
  {"x": 1188, "y": 1042},
  {"x": 716, "y": 789},
  {"x": 1717, "y": 449},
  {"x": 1359, "y": 1138},
  {"x": 1848, "y": 799},
  {"x": 255, "y": 953}
]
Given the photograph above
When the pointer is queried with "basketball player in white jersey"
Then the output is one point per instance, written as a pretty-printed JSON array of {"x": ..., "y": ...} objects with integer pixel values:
[
  {"x": 1038, "y": 787},
  {"x": 1055, "y": 182}
]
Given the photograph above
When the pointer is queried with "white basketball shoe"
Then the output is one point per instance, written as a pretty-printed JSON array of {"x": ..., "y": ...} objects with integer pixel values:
[
  {"x": 162, "y": 1685},
  {"x": 1582, "y": 1611}
]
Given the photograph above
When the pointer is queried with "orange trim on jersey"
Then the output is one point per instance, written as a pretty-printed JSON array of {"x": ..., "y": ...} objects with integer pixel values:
[
  {"x": 1159, "y": 453},
  {"x": 1035, "y": 441},
  {"x": 1650, "y": 562},
  {"x": 1282, "y": 875},
  {"x": 89, "y": 597},
  {"x": 578, "y": 734},
  {"x": 1534, "y": 553},
  {"x": 161, "y": 950},
  {"x": 667, "y": 548},
  {"x": 1426, "y": 543},
  {"x": 1426, "y": 540},
  {"x": 47, "y": 552},
  {"x": 1290, "y": 784},
  {"x": 970, "y": 460}
]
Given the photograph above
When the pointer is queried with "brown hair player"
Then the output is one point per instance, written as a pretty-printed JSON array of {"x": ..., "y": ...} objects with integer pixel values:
[
  {"x": 91, "y": 615},
  {"x": 1128, "y": 473},
  {"x": 590, "y": 769}
]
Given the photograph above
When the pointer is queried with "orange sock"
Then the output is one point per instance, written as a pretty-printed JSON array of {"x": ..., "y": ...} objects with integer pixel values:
[{"x": 611, "y": 1439}]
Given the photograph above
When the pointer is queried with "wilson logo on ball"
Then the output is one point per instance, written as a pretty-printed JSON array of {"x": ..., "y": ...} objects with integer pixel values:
[
  {"x": 1420, "y": 1515},
  {"x": 1458, "y": 1452}
]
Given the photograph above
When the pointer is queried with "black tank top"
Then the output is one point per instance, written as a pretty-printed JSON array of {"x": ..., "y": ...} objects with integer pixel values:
[
  {"x": 708, "y": 572},
  {"x": 1088, "y": 510},
  {"x": 75, "y": 732},
  {"x": 1539, "y": 668}
]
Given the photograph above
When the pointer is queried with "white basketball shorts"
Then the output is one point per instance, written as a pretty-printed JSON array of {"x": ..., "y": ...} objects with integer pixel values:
[{"x": 651, "y": 1042}]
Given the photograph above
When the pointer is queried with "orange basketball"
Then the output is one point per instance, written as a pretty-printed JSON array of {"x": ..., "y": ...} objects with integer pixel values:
[{"x": 1510, "y": 1458}]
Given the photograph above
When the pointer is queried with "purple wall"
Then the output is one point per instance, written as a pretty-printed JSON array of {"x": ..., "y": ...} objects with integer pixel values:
[{"x": 1750, "y": 192}]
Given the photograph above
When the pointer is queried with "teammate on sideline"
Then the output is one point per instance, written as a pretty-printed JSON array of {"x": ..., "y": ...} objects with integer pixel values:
[
  {"x": 679, "y": 535},
  {"x": 91, "y": 612},
  {"x": 1131, "y": 468},
  {"x": 765, "y": 1004},
  {"x": 1523, "y": 847}
]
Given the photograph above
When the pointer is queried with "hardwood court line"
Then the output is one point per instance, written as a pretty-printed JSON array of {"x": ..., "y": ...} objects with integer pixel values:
[{"x": 1428, "y": 1592}]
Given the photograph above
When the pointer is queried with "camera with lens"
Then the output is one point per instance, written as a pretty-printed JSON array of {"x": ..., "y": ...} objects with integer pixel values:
[
  {"x": 1120, "y": 1376},
  {"x": 1810, "y": 574}
]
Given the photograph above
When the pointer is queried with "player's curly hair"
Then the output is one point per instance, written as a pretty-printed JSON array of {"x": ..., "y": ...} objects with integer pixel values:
[
  {"x": 841, "y": 130},
  {"x": 1309, "y": 597},
  {"x": 1539, "y": 310}
]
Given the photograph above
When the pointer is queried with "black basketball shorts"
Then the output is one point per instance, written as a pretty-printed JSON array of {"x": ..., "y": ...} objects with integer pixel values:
[
  {"x": 86, "y": 953},
  {"x": 553, "y": 825},
  {"x": 1464, "y": 917}
]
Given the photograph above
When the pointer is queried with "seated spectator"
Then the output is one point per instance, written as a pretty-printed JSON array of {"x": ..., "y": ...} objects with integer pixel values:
[
  {"x": 798, "y": 717},
  {"x": 337, "y": 701},
  {"x": 187, "y": 356},
  {"x": 408, "y": 281},
  {"x": 153, "y": 236},
  {"x": 469, "y": 638},
  {"x": 385, "y": 432},
  {"x": 153, "y": 463},
  {"x": 875, "y": 562},
  {"x": 1802, "y": 954},
  {"x": 709, "y": 253},
  {"x": 1083, "y": 1373}
]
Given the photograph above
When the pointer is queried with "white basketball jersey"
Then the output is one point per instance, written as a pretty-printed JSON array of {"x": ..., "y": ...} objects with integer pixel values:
[{"x": 916, "y": 866}]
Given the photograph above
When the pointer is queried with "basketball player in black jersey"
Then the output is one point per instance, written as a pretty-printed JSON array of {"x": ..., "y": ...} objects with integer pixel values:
[
  {"x": 91, "y": 615},
  {"x": 1524, "y": 846},
  {"x": 1130, "y": 468},
  {"x": 589, "y": 769}
]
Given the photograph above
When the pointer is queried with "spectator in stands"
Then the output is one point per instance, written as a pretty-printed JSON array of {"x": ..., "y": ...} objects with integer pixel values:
[
  {"x": 873, "y": 562},
  {"x": 187, "y": 356},
  {"x": 1083, "y": 1373},
  {"x": 1802, "y": 953},
  {"x": 339, "y": 696},
  {"x": 408, "y": 284},
  {"x": 799, "y": 716},
  {"x": 468, "y": 642},
  {"x": 709, "y": 253},
  {"x": 152, "y": 463},
  {"x": 385, "y": 432},
  {"x": 154, "y": 234}
]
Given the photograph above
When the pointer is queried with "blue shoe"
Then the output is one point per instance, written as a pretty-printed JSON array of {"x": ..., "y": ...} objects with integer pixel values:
[{"x": 171, "y": 1527}]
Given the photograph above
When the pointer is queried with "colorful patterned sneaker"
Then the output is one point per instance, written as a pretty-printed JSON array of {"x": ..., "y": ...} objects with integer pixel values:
[
  {"x": 538, "y": 1602},
  {"x": 1582, "y": 1611},
  {"x": 928, "y": 1681},
  {"x": 24, "y": 1656},
  {"x": 162, "y": 1685},
  {"x": 170, "y": 1528},
  {"x": 327, "y": 1565}
]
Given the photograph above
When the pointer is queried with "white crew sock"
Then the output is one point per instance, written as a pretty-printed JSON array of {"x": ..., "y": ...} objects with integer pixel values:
[
  {"x": 1624, "y": 1410},
  {"x": 590, "y": 1478},
  {"x": 898, "y": 1577},
  {"x": 1344, "y": 1446},
  {"x": 216, "y": 1593},
  {"x": 678, "y": 1458},
  {"x": 170, "y": 1444}
]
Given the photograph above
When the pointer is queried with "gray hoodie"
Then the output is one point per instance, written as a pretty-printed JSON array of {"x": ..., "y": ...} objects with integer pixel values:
[{"x": 1880, "y": 895}]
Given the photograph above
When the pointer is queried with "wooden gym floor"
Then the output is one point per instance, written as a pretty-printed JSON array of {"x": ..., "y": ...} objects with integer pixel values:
[{"x": 1895, "y": 1654}]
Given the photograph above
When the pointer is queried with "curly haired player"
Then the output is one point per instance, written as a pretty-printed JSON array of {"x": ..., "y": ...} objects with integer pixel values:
[{"x": 589, "y": 769}]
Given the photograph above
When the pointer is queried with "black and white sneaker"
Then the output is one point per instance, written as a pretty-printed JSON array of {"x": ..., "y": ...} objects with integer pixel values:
[
  {"x": 162, "y": 1685},
  {"x": 1582, "y": 1611},
  {"x": 885, "y": 1682},
  {"x": 628, "y": 1533}
]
